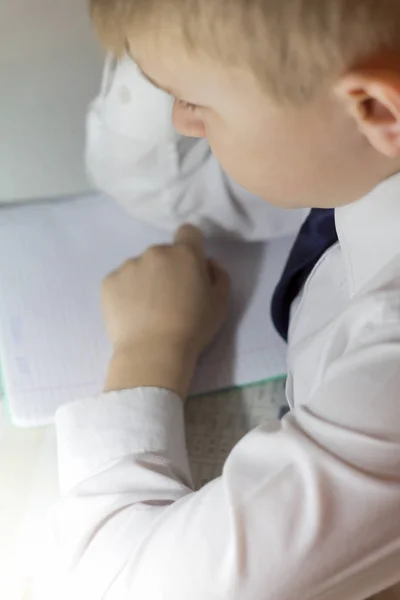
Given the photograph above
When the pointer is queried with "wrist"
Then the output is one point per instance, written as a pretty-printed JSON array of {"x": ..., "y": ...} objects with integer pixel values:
[{"x": 157, "y": 362}]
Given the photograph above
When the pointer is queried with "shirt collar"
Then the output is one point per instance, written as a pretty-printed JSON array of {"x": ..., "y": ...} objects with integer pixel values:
[{"x": 369, "y": 232}]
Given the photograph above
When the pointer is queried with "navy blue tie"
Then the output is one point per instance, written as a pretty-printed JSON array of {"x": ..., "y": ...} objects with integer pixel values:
[{"x": 316, "y": 236}]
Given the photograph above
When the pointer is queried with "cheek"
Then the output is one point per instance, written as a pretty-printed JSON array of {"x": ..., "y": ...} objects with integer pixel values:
[
  {"x": 188, "y": 122},
  {"x": 262, "y": 164},
  {"x": 270, "y": 159},
  {"x": 228, "y": 144},
  {"x": 241, "y": 156}
]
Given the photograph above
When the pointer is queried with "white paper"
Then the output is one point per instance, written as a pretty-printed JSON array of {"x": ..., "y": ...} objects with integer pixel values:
[{"x": 53, "y": 346}]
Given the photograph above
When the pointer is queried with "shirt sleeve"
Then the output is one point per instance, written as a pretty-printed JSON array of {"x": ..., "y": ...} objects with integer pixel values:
[
  {"x": 306, "y": 508},
  {"x": 134, "y": 154}
]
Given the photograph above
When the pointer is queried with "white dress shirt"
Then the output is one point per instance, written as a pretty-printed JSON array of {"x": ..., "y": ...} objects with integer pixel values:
[{"x": 306, "y": 508}]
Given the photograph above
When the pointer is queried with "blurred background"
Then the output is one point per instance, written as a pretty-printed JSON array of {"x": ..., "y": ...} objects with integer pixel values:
[
  {"x": 50, "y": 66},
  {"x": 50, "y": 69}
]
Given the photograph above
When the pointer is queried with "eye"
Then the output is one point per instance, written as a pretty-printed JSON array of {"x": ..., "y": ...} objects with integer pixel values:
[{"x": 187, "y": 105}]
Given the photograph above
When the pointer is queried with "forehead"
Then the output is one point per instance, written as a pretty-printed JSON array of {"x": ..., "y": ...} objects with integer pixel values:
[{"x": 172, "y": 66}]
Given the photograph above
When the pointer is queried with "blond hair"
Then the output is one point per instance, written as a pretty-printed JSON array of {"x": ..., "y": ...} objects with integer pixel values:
[{"x": 292, "y": 46}]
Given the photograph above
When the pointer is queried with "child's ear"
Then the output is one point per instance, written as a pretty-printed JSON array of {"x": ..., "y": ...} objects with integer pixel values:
[{"x": 372, "y": 96}]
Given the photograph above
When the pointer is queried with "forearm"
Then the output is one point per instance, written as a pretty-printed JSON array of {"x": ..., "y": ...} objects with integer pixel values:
[{"x": 153, "y": 363}]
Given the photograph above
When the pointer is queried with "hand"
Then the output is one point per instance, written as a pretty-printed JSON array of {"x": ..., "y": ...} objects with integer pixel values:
[{"x": 161, "y": 310}]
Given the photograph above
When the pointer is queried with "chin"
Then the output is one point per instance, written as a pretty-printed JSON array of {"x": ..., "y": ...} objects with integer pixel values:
[
  {"x": 276, "y": 198},
  {"x": 285, "y": 203}
]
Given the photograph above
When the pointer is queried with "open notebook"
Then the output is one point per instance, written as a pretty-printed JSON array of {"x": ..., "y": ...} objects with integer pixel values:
[{"x": 53, "y": 346}]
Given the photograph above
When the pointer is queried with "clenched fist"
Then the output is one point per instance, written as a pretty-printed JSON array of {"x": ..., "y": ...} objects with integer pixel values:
[{"x": 161, "y": 310}]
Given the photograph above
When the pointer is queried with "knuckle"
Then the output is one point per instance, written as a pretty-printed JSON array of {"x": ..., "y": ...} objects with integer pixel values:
[
  {"x": 125, "y": 269},
  {"x": 107, "y": 284},
  {"x": 113, "y": 277},
  {"x": 108, "y": 280},
  {"x": 128, "y": 264},
  {"x": 156, "y": 253}
]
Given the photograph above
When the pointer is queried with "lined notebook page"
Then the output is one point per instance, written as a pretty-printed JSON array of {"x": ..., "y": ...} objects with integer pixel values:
[{"x": 53, "y": 346}]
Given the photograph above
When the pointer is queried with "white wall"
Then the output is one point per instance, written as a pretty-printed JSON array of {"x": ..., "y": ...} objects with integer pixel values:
[{"x": 50, "y": 67}]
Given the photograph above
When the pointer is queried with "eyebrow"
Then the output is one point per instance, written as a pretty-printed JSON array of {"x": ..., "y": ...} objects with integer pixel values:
[{"x": 157, "y": 85}]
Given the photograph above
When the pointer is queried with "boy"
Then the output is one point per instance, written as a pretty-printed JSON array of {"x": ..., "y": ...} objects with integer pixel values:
[{"x": 300, "y": 102}]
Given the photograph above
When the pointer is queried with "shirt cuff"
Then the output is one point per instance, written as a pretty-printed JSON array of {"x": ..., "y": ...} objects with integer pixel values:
[{"x": 94, "y": 433}]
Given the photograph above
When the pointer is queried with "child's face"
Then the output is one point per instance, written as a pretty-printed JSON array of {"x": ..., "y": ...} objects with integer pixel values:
[{"x": 311, "y": 156}]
